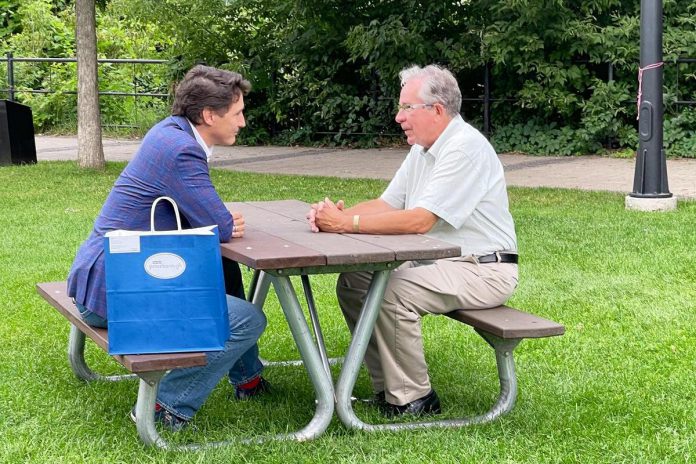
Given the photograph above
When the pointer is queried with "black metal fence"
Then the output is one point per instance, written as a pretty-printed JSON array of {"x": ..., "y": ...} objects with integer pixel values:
[
  {"x": 12, "y": 90},
  {"x": 486, "y": 100},
  {"x": 678, "y": 101}
]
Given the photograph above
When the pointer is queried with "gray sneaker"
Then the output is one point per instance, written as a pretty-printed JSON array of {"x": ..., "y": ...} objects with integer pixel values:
[{"x": 170, "y": 421}]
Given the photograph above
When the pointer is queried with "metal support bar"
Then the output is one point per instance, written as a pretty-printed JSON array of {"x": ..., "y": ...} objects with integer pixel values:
[
  {"x": 76, "y": 357},
  {"x": 314, "y": 317},
  {"x": 504, "y": 360},
  {"x": 252, "y": 285},
  {"x": 320, "y": 380},
  {"x": 357, "y": 348},
  {"x": 258, "y": 290},
  {"x": 145, "y": 419},
  {"x": 10, "y": 76},
  {"x": 149, "y": 381},
  {"x": 145, "y": 410},
  {"x": 323, "y": 386}
]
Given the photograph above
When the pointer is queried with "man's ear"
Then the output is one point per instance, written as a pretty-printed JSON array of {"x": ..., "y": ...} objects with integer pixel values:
[{"x": 207, "y": 116}]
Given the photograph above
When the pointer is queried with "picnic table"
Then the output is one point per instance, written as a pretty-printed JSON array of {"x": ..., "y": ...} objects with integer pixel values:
[{"x": 278, "y": 244}]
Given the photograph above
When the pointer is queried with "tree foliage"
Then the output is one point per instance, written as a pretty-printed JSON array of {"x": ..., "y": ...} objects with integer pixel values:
[
  {"x": 47, "y": 29},
  {"x": 563, "y": 72}
]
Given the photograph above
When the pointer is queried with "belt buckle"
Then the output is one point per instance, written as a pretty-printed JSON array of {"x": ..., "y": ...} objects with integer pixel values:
[{"x": 498, "y": 259}]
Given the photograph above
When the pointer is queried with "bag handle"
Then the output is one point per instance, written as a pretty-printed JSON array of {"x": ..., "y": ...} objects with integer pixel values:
[{"x": 152, "y": 213}]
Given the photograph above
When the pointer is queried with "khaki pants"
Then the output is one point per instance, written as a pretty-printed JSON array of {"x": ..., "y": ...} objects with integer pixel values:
[{"x": 394, "y": 357}]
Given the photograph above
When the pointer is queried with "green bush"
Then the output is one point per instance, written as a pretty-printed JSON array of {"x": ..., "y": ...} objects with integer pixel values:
[
  {"x": 48, "y": 30},
  {"x": 538, "y": 138},
  {"x": 563, "y": 73},
  {"x": 679, "y": 139}
]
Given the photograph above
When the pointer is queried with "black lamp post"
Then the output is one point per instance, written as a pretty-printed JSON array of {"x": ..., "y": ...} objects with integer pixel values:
[{"x": 650, "y": 180}]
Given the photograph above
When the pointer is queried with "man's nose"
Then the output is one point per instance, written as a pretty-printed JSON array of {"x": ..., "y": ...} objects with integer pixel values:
[{"x": 400, "y": 116}]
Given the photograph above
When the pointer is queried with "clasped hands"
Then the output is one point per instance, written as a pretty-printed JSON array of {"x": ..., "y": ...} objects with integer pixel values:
[{"x": 327, "y": 216}]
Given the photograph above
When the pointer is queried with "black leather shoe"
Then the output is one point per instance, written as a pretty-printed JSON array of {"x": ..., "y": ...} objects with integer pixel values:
[
  {"x": 262, "y": 387},
  {"x": 378, "y": 400},
  {"x": 429, "y": 404}
]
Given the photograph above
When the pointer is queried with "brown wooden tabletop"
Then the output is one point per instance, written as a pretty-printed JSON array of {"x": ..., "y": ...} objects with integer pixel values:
[
  {"x": 278, "y": 241},
  {"x": 277, "y": 236}
]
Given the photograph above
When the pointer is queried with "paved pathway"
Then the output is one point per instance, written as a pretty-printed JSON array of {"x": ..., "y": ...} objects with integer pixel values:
[{"x": 584, "y": 172}]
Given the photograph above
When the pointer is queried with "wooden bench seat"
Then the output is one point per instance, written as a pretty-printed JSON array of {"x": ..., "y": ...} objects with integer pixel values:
[
  {"x": 503, "y": 328},
  {"x": 150, "y": 368},
  {"x": 508, "y": 323},
  {"x": 56, "y": 294}
]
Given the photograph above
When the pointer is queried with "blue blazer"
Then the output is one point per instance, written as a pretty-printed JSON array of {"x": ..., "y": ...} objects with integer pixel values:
[{"x": 169, "y": 162}]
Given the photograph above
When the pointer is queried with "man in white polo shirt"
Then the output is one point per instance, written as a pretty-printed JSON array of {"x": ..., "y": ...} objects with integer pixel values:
[{"x": 450, "y": 187}]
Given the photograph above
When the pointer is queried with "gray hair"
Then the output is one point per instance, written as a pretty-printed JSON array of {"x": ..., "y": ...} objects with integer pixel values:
[{"x": 439, "y": 86}]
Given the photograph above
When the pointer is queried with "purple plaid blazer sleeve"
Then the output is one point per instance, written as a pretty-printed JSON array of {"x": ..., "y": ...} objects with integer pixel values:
[{"x": 169, "y": 162}]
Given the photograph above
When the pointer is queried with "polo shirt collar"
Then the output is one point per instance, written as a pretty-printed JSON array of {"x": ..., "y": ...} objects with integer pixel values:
[{"x": 452, "y": 128}]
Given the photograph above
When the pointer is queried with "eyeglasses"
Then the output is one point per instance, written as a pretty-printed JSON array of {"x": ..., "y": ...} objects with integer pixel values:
[{"x": 413, "y": 106}]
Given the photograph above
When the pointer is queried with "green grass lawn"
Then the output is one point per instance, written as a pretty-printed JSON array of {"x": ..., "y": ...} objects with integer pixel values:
[{"x": 617, "y": 387}]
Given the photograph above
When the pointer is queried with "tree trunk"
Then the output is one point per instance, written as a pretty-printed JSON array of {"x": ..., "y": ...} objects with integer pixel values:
[{"x": 90, "y": 152}]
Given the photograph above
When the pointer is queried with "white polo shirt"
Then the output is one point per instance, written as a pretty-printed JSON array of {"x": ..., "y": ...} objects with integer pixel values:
[{"x": 459, "y": 179}]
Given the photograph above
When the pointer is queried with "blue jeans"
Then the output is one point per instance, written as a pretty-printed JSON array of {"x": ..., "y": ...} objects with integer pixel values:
[
  {"x": 93, "y": 319},
  {"x": 183, "y": 391}
]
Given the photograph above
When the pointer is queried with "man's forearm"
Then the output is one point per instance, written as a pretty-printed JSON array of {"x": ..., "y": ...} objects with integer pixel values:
[
  {"x": 370, "y": 207},
  {"x": 411, "y": 221},
  {"x": 370, "y": 217}
]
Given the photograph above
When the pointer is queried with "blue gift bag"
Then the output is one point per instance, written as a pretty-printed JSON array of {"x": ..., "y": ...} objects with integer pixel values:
[{"x": 165, "y": 291}]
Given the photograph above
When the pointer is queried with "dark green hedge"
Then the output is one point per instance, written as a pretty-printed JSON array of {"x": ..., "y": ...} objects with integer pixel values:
[{"x": 563, "y": 73}]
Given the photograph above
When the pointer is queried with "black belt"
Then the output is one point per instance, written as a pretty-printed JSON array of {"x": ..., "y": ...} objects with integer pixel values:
[{"x": 498, "y": 257}]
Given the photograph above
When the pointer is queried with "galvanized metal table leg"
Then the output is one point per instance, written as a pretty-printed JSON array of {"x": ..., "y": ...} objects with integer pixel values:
[
  {"x": 320, "y": 379},
  {"x": 310, "y": 355},
  {"x": 145, "y": 410},
  {"x": 145, "y": 418},
  {"x": 505, "y": 362},
  {"x": 314, "y": 317},
  {"x": 76, "y": 357},
  {"x": 258, "y": 290},
  {"x": 357, "y": 348},
  {"x": 252, "y": 285},
  {"x": 356, "y": 352}
]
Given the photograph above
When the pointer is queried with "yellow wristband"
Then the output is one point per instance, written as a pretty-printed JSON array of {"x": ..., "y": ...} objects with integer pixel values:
[{"x": 356, "y": 224}]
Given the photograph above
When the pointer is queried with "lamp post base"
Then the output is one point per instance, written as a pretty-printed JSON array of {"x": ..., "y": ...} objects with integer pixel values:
[{"x": 651, "y": 204}]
